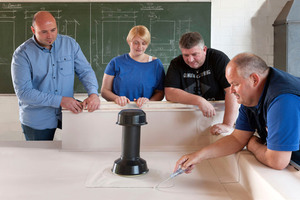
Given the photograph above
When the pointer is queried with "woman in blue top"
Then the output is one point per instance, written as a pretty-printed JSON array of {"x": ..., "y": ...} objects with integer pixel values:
[{"x": 135, "y": 76}]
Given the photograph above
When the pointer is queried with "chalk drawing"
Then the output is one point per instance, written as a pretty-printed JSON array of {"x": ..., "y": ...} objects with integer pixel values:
[
  {"x": 7, "y": 37},
  {"x": 11, "y": 6},
  {"x": 7, "y": 14},
  {"x": 151, "y": 7},
  {"x": 102, "y": 28},
  {"x": 7, "y": 41},
  {"x": 70, "y": 28}
]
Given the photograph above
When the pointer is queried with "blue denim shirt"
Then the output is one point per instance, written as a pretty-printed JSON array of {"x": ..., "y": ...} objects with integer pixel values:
[{"x": 41, "y": 77}]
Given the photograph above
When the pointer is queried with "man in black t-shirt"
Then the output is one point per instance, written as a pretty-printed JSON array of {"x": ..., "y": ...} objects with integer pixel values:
[{"x": 198, "y": 76}]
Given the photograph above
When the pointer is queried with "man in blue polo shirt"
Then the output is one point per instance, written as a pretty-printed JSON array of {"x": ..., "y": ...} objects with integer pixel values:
[
  {"x": 43, "y": 70},
  {"x": 270, "y": 101}
]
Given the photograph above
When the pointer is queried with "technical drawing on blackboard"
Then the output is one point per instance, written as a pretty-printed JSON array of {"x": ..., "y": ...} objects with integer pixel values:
[{"x": 101, "y": 29}]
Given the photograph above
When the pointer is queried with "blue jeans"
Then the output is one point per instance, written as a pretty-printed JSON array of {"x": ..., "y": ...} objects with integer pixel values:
[{"x": 34, "y": 134}]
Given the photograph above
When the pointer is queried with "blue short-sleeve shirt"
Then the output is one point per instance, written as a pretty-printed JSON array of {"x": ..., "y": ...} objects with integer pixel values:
[
  {"x": 283, "y": 123},
  {"x": 135, "y": 79}
]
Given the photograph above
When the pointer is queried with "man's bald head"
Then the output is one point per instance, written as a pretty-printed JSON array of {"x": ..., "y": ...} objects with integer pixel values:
[
  {"x": 41, "y": 17},
  {"x": 44, "y": 28},
  {"x": 248, "y": 63}
]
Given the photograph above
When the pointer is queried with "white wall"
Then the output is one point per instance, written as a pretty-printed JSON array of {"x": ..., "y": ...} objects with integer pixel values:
[{"x": 245, "y": 25}]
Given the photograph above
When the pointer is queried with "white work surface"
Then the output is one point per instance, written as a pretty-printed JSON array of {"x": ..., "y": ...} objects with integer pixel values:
[
  {"x": 41, "y": 170},
  {"x": 78, "y": 167}
]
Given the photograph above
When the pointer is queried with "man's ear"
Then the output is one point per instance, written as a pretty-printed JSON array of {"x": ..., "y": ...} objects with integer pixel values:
[
  {"x": 254, "y": 79},
  {"x": 32, "y": 29},
  {"x": 205, "y": 48}
]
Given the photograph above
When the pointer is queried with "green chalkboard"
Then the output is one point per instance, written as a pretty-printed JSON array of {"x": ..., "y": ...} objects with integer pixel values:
[{"x": 101, "y": 29}]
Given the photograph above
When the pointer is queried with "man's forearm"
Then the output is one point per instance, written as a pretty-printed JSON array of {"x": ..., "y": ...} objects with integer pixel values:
[
  {"x": 180, "y": 96},
  {"x": 273, "y": 159}
]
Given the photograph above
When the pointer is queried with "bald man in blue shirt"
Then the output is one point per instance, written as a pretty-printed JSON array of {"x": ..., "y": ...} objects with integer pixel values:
[
  {"x": 43, "y": 70},
  {"x": 270, "y": 107}
]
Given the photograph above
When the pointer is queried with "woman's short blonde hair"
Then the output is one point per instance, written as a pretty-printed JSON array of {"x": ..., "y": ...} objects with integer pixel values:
[{"x": 140, "y": 31}]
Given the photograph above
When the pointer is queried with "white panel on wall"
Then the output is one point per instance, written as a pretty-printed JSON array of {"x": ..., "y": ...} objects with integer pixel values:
[{"x": 245, "y": 25}]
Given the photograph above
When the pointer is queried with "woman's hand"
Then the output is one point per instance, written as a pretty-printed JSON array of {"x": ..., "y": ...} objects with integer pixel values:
[
  {"x": 122, "y": 101},
  {"x": 141, "y": 101}
]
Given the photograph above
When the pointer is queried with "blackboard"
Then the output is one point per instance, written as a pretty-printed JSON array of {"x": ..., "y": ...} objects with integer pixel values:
[{"x": 101, "y": 29}]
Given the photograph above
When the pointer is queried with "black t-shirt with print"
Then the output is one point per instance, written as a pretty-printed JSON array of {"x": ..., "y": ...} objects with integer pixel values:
[{"x": 208, "y": 81}]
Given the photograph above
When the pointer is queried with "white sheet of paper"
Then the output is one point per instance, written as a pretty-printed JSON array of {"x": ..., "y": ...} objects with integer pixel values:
[{"x": 100, "y": 175}]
